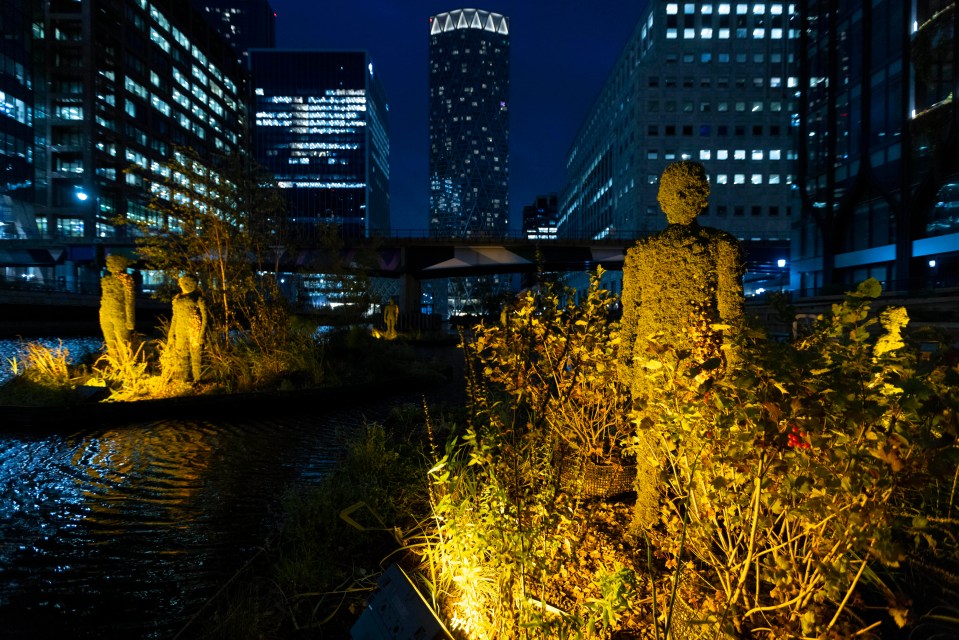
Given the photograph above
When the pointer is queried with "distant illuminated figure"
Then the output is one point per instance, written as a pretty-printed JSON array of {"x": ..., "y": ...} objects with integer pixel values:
[
  {"x": 391, "y": 312},
  {"x": 187, "y": 330},
  {"x": 117, "y": 305}
]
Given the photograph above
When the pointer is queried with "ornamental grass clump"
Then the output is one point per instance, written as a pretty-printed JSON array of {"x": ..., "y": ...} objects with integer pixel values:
[{"x": 799, "y": 479}]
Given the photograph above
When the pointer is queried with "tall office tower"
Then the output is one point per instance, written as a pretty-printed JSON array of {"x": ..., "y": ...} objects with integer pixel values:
[
  {"x": 122, "y": 83},
  {"x": 708, "y": 81},
  {"x": 16, "y": 121},
  {"x": 469, "y": 123},
  {"x": 879, "y": 172},
  {"x": 322, "y": 128},
  {"x": 246, "y": 24}
]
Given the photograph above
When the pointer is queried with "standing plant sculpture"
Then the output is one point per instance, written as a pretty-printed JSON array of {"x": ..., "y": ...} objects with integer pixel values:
[
  {"x": 682, "y": 289},
  {"x": 117, "y": 306}
]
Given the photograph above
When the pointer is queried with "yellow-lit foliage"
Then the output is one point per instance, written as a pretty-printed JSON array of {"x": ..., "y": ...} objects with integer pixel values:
[
  {"x": 794, "y": 477},
  {"x": 540, "y": 382}
]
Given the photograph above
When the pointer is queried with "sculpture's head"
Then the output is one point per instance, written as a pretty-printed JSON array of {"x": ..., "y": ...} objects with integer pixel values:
[
  {"x": 116, "y": 264},
  {"x": 683, "y": 191},
  {"x": 187, "y": 284}
]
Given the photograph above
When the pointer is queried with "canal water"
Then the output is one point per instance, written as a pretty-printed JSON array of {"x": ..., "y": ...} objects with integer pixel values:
[{"x": 125, "y": 532}]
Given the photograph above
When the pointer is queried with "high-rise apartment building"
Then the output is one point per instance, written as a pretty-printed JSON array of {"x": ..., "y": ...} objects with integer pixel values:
[
  {"x": 246, "y": 24},
  {"x": 879, "y": 172},
  {"x": 708, "y": 81},
  {"x": 469, "y": 123},
  {"x": 322, "y": 129},
  {"x": 121, "y": 84}
]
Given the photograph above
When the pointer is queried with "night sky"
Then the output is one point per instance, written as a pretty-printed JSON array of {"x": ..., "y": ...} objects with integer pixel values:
[{"x": 561, "y": 53}]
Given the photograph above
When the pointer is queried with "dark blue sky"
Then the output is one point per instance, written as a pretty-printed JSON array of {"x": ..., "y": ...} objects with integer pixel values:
[{"x": 561, "y": 53}]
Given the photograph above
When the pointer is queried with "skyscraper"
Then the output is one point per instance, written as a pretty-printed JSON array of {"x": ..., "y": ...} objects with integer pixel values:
[
  {"x": 469, "y": 123},
  {"x": 713, "y": 82},
  {"x": 322, "y": 129},
  {"x": 879, "y": 172},
  {"x": 246, "y": 24}
]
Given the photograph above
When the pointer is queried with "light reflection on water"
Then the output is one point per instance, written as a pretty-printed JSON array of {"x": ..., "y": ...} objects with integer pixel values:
[{"x": 124, "y": 532}]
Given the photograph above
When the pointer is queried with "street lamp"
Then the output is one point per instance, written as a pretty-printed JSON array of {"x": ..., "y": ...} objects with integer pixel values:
[{"x": 781, "y": 263}]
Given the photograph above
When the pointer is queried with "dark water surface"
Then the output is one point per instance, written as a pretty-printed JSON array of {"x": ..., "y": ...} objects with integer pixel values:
[{"x": 126, "y": 532}]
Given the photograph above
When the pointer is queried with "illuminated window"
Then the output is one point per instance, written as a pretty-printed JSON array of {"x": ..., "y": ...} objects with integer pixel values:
[
  {"x": 724, "y": 9},
  {"x": 757, "y": 154},
  {"x": 776, "y": 9},
  {"x": 776, "y": 106},
  {"x": 740, "y": 106},
  {"x": 706, "y": 34},
  {"x": 775, "y": 154},
  {"x": 707, "y": 9},
  {"x": 742, "y": 9},
  {"x": 722, "y": 178},
  {"x": 776, "y": 34},
  {"x": 722, "y": 106},
  {"x": 773, "y": 178},
  {"x": 689, "y": 8},
  {"x": 739, "y": 178},
  {"x": 724, "y": 35},
  {"x": 739, "y": 154},
  {"x": 672, "y": 9},
  {"x": 705, "y": 154},
  {"x": 722, "y": 154},
  {"x": 671, "y": 34},
  {"x": 756, "y": 178},
  {"x": 759, "y": 9},
  {"x": 775, "y": 82},
  {"x": 757, "y": 106},
  {"x": 759, "y": 33},
  {"x": 689, "y": 34}
]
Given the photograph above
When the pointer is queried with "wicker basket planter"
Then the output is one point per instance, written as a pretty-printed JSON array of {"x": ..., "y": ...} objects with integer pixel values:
[{"x": 589, "y": 479}]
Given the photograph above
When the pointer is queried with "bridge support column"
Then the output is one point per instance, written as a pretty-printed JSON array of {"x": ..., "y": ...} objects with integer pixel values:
[{"x": 411, "y": 294}]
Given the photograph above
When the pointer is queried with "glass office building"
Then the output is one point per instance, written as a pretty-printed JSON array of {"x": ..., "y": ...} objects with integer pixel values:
[
  {"x": 16, "y": 121},
  {"x": 708, "y": 81},
  {"x": 469, "y": 123},
  {"x": 879, "y": 175},
  {"x": 121, "y": 84},
  {"x": 322, "y": 129}
]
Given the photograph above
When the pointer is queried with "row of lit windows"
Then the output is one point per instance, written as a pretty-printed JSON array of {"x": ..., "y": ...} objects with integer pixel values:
[
  {"x": 15, "y": 108},
  {"x": 740, "y": 178},
  {"x": 758, "y": 33},
  {"x": 726, "y": 8},
  {"x": 735, "y": 154}
]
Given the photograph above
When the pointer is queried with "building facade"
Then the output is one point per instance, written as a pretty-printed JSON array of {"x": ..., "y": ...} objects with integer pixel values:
[
  {"x": 16, "y": 121},
  {"x": 879, "y": 172},
  {"x": 118, "y": 86},
  {"x": 469, "y": 123},
  {"x": 246, "y": 24},
  {"x": 322, "y": 129},
  {"x": 540, "y": 218},
  {"x": 708, "y": 81}
]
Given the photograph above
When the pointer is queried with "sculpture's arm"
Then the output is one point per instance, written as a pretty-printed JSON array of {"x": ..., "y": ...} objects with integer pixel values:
[
  {"x": 729, "y": 274},
  {"x": 629, "y": 301},
  {"x": 129, "y": 301}
]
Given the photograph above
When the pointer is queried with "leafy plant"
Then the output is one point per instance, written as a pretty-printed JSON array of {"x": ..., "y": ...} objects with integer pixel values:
[{"x": 790, "y": 478}]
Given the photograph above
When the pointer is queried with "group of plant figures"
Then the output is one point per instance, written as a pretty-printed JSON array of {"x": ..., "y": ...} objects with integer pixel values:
[
  {"x": 797, "y": 489},
  {"x": 188, "y": 324}
]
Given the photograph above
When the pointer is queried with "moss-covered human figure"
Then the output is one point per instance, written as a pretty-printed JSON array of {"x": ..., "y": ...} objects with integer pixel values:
[
  {"x": 117, "y": 305},
  {"x": 187, "y": 330},
  {"x": 391, "y": 313},
  {"x": 677, "y": 284}
]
